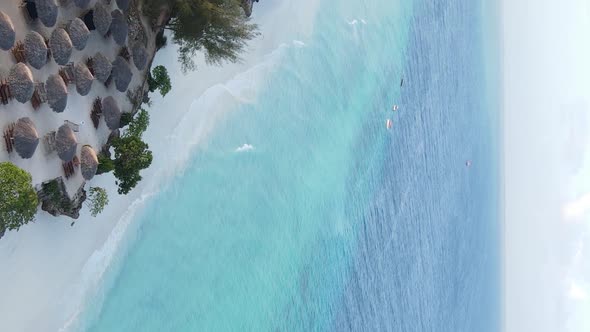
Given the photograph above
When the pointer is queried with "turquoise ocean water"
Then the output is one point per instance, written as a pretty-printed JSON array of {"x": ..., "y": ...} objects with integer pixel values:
[{"x": 331, "y": 222}]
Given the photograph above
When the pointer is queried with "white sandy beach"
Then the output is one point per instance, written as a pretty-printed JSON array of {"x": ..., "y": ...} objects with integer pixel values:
[{"x": 50, "y": 269}]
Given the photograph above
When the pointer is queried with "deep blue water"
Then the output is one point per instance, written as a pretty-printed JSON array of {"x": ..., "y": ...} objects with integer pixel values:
[{"x": 333, "y": 222}]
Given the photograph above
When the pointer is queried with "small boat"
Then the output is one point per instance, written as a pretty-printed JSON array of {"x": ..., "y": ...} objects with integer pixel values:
[
  {"x": 468, "y": 163},
  {"x": 401, "y": 83},
  {"x": 394, "y": 108},
  {"x": 389, "y": 123}
]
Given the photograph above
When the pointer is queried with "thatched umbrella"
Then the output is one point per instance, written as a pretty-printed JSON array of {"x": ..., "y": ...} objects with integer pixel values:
[
  {"x": 65, "y": 143},
  {"x": 21, "y": 82},
  {"x": 119, "y": 27},
  {"x": 82, "y": 3},
  {"x": 7, "y": 34},
  {"x": 123, "y": 4},
  {"x": 139, "y": 56},
  {"x": 46, "y": 11},
  {"x": 83, "y": 78},
  {"x": 25, "y": 137},
  {"x": 102, "y": 67},
  {"x": 78, "y": 33},
  {"x": 101, "y": 18},
  {"x": 88, "y": 162},
  {"x": 61, "y": 46},
  {"x": 111, "y": 112},
  {"x": 35, "y": 50},
  {"x": 57, "y": 93},
  {"x": 121, "y": 73}
]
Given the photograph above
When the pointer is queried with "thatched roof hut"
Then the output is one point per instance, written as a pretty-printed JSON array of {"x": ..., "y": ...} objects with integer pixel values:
[
  {"x": 78, "y": 33},
  {"x": 139, "y": 55},
  {"x": 46, "y": 11},
  {"x": 35, "y": 50},
  {"x": 102, "y": 67},
  {"x": 65, "y": 143},
  {"x": 88, "y": 162},
  {"x": 111, "y": 112},
  {"x": 101, "y": 18},
  {"x": 7, "y": 34},
  {"x": 123, "y": 4},
  {"x": 25, "y": 137},
  {"x": 21, "y": 82},
  {"x": 81, "y": 3},
  {"x": 83, "y": 78},
  {"x": 121, "y": 74},
  {"x": 61, "y": 46},
  {"x": 57, "y": 93},
  {"x": 119, "y": 28}
]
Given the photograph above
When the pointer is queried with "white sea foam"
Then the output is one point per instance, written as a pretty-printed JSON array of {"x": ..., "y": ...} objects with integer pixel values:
[
  {"x": 245, "y": 147},
  {"x": 298, "y": 43}
]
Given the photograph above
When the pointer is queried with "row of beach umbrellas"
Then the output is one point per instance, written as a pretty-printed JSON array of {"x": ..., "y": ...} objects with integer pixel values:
[
  {"x": 99, "y": 19},
  {"x": 61, "y": 43},
  {"x": 26, "y": 139},
  {"x": 22, "y": 86},
  {"x": 46, "y": 10}
]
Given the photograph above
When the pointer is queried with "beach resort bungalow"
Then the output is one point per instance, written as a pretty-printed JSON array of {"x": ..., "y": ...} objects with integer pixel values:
[
  {"x": 65, "y": 143},
  {"x": 139, "y": 55},
  {"x": 36, "y": 50},
  {"x": 121, "y": 74},
  {"x": 111, "y": 112},
  {"x": 119, "y": 28},
  {"x": 83, "y": 79},
  {"x": 57, "y": 93},
  {"x": 44, "y": 10},
  {"x": 78, "y": 33},
  {"x": 100, "y": 67},
  {"x": 7, "y": 33},
  {"x": 20, "y": 81},
  {"x": 23, "y": 137},
  {"x": 88, "y": 162},
  {"x": 60, "y": 46},
  {"x": 98, "y": 19}
]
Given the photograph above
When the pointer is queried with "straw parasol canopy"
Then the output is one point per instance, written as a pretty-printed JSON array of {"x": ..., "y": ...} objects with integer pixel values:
[
  {"x": 82, "y": 3},
  {"x": 139, "y": 56},
  {"x": 111, "y": 112},
  {"x": 57, "y": 93},
  {"x": 35, "y": 50},
  {"x": 61, "y": 46},
  {"x": 65, "y": 143},
  {"x": 123, "y": 4},
  {"x": 21, "y": 82},
  {"x": 25, "y": 137},
  {"x": 7, "y": 34},
  {"x": 46, "y": 11},
  {"x": 78, "y": 33},
  {"x": 119, "y": 27},
  {"x": 102, "y": 67},
  {"x": 102, "y": 18},
  {"x": 88, "y": 162},
  {"x": 121, "y": 73},
  {"x": 83, "y": 78}
]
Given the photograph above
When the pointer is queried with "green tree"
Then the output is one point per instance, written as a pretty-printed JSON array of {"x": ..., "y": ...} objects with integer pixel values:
[
  {"x": 18, "y": 200},
  {"x": 105, "y": 164},
  {"x": 139, "y": 124},
  {"x": 159, "y": 80},
  {"x": 131, "y": 156},
  {"x": 97, "y": 200},
  {"x": 218, "y": 27}
]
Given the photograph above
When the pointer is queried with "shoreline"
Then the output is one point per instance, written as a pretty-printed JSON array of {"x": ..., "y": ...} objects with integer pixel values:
[{"x": 60, "y": 253}]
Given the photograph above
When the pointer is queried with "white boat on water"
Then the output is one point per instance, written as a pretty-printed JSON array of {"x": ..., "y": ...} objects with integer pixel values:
[{"x": 389, "y": 123}]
